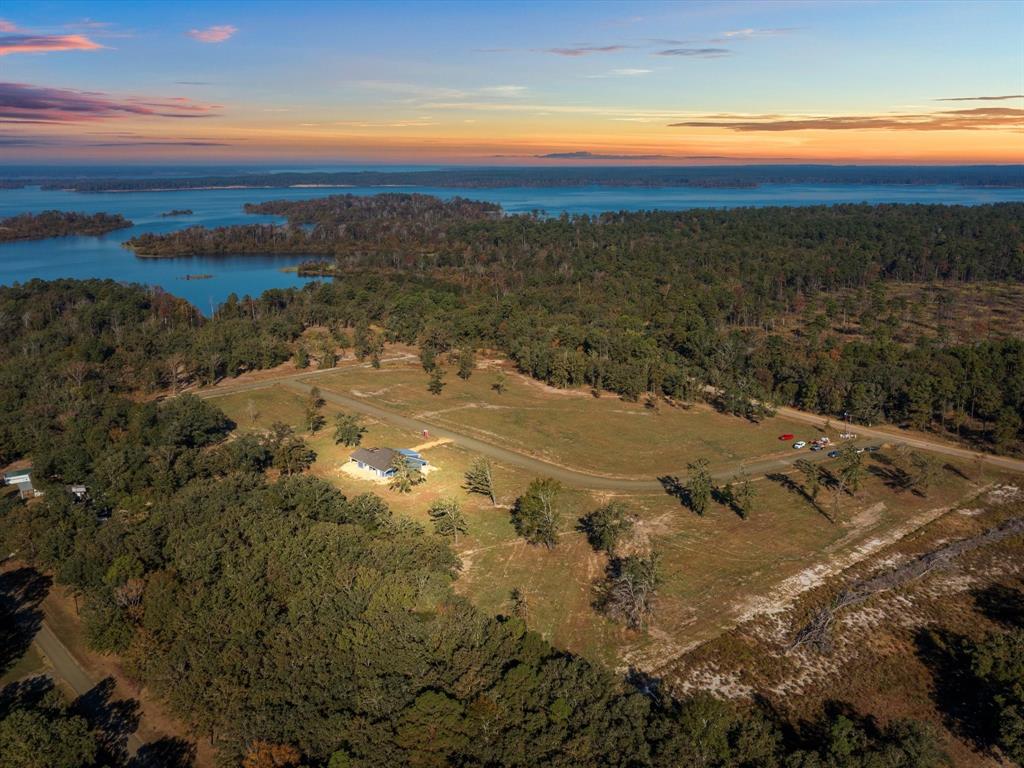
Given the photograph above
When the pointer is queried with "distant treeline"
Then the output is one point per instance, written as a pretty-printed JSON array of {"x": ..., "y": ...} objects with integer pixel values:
[
  {"x": 653, "y": 302},
  {"x": 36, "y": 226},
  {"x": 694, "y": 176}
]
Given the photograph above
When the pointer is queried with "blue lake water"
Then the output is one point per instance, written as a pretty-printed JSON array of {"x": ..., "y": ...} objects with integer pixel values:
[{"x": 85, "y": 257}]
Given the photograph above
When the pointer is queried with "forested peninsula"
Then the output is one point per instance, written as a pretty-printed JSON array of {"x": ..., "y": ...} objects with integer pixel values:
[
  {"x": 38, "y": 226},
  {"x": 709, "y": 176},
  {"x": 649, "y": 303}
]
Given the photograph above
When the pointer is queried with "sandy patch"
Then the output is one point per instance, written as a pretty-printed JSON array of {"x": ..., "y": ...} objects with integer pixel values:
[{"x": 431, "y": 444}]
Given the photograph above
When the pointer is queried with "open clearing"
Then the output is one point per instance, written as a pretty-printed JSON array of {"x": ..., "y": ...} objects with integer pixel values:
[
  {"x": 719, "y": 570},
  {"x": 571, "y": 428}
]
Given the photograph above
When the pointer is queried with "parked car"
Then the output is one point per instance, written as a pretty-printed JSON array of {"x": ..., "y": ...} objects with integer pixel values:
[
  {"x": 817, "y": 447},
  {"x": 800, "y": 444},
  {"x": 872, "y": 448},
  {"x": 787, "y": 436},
  {"x": 833, "y": 454}
]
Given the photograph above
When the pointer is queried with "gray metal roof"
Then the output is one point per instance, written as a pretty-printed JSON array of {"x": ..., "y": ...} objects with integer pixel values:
[{"x": 378, "y": 458}]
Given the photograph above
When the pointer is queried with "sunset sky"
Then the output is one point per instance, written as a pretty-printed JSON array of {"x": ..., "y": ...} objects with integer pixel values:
[{"x": 490, "y": 83}]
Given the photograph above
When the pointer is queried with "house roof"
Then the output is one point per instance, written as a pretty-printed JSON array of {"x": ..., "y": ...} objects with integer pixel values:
[
  {"x": 25, "y": 486},
  {"x": 17, "y": 473},
  {"x": 378, "y": 458}
]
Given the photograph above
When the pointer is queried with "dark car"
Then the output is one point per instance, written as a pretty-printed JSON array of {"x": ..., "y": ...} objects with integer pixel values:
[
  {"x": 833, "y": 454},
  {"x": 872, "y": 448}
]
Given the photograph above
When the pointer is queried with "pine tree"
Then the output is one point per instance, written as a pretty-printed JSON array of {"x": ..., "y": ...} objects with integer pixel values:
[
  {"x": 851, "y": 467},
  {"x": 699, "y": 486},
  {"x": 436, "y": 384},
  {"x": 347, "y": 430},
  {"x": 607, "y": 525},
  {"x": 467, "y": 363},
  {"x": 479, "y": 478},
  {"x": 744, "y": 496},
  {"x": 520, "y": 604},
  {"x": 406, "y": 476},
  {"x": 314, "y": 419},
  {"x": 448, "y": 518},
  {"x": 535, "y": 514},
  {"x": 500, "y": 383},
  {"x": 812, "y": 477}
]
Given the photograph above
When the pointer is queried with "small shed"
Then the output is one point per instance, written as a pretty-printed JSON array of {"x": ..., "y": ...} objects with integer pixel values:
[
  {"x": 22, "y": 480},
  {"x": 15, "y": 476}
]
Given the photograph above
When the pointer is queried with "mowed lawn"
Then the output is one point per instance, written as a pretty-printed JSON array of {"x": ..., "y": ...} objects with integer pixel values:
[
  {"x": 570, "y": 428},
  {"x": 714, "y": 567}
]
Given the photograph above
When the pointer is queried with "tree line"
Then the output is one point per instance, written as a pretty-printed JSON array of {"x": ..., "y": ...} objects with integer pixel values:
[
  {"x": 37, "y": 226},
  {"x": 562, "y": 176}
]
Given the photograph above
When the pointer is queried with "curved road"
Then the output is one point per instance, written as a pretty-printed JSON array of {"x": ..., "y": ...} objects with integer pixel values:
[{"x": 593, "y": 481}]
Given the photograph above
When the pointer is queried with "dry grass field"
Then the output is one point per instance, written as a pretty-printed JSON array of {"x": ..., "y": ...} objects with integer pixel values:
[
  {"x": 893, "y": 654},
  {"x": 718, "y": 570},
  {"x": 570, "y": 428}
]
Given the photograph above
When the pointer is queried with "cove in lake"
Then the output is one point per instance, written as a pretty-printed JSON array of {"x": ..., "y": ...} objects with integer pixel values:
[{"x": 103, "y": 257}]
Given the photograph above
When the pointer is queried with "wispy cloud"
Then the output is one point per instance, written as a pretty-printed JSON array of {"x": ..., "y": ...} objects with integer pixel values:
[
  {"x": 215, "y": 34},
  {"x": 698, "y": 53},
  {"x": 625, "y": 72},
  {"x": 984, "y": 98},
  {"x": 30, "y": 43},
  {"x": 585, "y": 50},
  {"x": 7, "y": 26},
  {"x": 584, "y": 155},
  {"x": 507, "y": 91},
  {"x": 980, "y": 118},
  {"x": 751, "y": 33},
  {"x": 97, "y": 28},
  {"x": 160, "y": 144},
  {"x": 30, "y": 104}
]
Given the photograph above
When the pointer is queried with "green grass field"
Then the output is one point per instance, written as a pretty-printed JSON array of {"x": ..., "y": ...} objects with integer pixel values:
[{"x": 715, "y": 567}]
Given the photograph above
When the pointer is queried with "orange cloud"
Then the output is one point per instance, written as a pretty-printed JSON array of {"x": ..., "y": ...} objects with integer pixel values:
[
  {"x": 215, "y": 34},
  {"x": 951, "y": 120},
  {"x": 27, "y": 43}
]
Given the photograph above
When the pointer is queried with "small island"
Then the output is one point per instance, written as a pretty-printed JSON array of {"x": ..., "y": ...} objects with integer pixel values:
[
  {"x": 177, "y": 212},
  {"x": 38, "y": 226},
  {"x": 200, "y": 276}
]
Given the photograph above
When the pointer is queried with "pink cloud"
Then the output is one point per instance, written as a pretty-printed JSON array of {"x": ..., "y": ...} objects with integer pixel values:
[
  {"x": 27, "y": 43},
  {"x": 30, "y": 104},
  {"x": 215, "y": 34},
  {"x": 7, "y": 26}
]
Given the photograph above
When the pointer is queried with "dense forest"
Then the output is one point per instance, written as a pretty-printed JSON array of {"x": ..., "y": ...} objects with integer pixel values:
[
  {"x": 291, "y": 625},
  {"x": 654, "y": 303},
  {"x": 36, "y": 226},
  {"x": 745, "y": 176}
]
